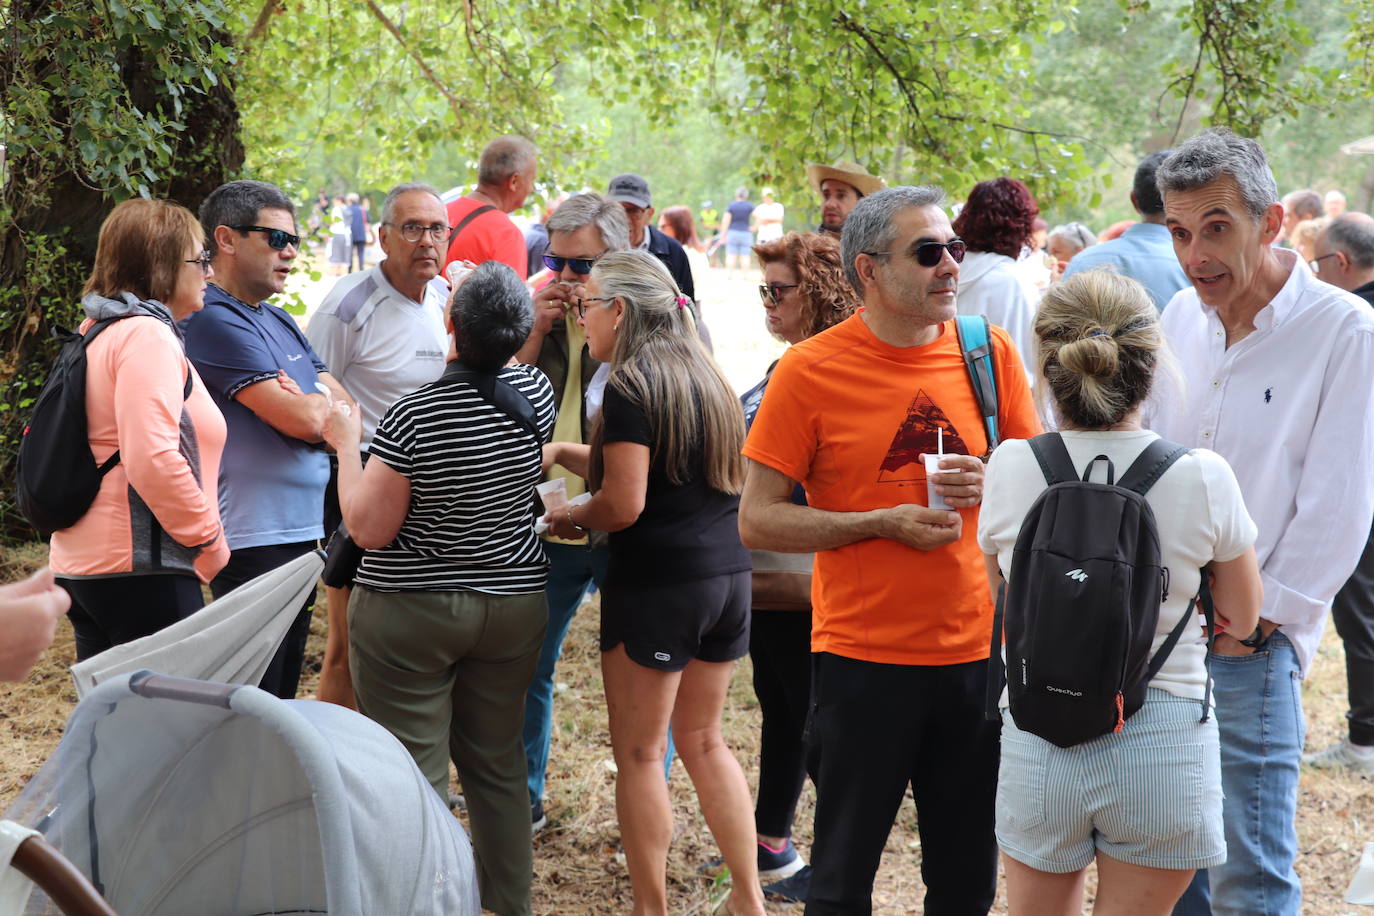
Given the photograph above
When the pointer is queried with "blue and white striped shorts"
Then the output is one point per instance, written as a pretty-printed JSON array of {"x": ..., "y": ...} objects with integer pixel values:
[{"x": 1149, "y": 795}]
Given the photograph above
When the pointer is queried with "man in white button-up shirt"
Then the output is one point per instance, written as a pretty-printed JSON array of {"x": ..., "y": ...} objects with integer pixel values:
[{"x": 1277, "y": 367}]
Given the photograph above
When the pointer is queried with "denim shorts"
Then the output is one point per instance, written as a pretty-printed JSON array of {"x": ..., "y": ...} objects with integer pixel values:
[
  {"x": 1149, "y": 795},
  {"x": 738, "y": 241}
]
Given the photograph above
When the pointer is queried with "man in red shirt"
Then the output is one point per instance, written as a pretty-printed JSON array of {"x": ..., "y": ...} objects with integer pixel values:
[{"x": 482, "y": 230}]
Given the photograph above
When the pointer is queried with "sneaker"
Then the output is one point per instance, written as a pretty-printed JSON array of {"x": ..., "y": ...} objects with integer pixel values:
[
  {"x": 776, "y": 864},
  {"x": 538, "y": 819},
  {"x": 1343, "y": 756},
  {"x": 792, "y": 889}
]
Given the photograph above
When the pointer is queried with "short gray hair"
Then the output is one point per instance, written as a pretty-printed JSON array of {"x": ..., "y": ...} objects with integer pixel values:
[
  {"x": 389, "y": 205},
  {"x": 1075, "y": 234},
  {"x": 1352, "y": 234},
  {"x": 504, "y": 157},
  {"x": 869, "y": 225},
  {"x": 592, "y": 209},
  {"x": 238, "y": 204},
  {"x": 1214, "y": 154},
  {"x": 1305, "y": 204},
  {"x": 492, "y": 316}
]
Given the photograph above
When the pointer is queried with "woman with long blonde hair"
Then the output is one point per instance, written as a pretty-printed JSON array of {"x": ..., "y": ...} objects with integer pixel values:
[{"x": 664, "y": 463}]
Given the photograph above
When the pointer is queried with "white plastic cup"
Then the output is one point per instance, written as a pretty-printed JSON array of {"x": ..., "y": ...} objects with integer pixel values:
[
  {"x": 553, "y": 493},
  {"x": 933, "y": 470}
]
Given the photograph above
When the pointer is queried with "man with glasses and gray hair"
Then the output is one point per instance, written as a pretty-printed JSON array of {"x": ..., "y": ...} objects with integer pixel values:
[
  {"x": 1345, "y": 258},
  {"x": 482, "y": 229},
  {"x": 270, "y": 385},
  {"x": 381, "y": 333},
  {"x": 902, "y": 612},
  {"x": 1276, "y": 368},
  {"x": 584, "y": 228}
]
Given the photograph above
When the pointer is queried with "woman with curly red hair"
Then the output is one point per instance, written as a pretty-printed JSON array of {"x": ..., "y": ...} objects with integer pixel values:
[
  {"x": 804, "y": 292},
  {"x": 995, "y": 224}
]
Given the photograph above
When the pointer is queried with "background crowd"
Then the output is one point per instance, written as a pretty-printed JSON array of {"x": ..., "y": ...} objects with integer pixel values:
[{"x": 434, "y": 389}]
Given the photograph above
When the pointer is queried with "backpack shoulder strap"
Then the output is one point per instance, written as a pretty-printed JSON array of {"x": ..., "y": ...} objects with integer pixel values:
[
  {"x": 1157, "y": 458},
  {"x": 1053, "y": 458},
  {"x": 975, "y": 342},
  {"x": 500, "y": 394},
  {"x": 463, "y": 223}
]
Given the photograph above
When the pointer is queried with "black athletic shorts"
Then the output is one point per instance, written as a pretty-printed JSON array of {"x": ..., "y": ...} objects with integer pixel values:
[{"x": 666, "y": 626}]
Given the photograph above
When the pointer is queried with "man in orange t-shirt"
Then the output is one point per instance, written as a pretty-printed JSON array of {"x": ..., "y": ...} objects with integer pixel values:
[
  {"x": 480, "y": 229},
  {"x": 902, "y": 611}
]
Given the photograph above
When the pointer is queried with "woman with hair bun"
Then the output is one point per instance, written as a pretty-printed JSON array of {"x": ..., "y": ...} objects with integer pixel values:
[
  {"x": 1143, "y": 803},
  {"x": 664, "y": 463}
]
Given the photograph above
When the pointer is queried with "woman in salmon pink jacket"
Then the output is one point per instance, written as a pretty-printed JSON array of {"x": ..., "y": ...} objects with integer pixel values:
[{"x": 135, "y": 561}]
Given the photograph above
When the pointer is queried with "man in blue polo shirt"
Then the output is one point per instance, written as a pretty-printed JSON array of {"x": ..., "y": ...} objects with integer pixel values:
[
  {"x": 263, "y": 375},
  {"x": 1144, "y": 252}
]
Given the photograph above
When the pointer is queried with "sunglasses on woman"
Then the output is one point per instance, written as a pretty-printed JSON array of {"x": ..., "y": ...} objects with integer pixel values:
[
  {"x": 772, "y": 292},
  {"x": 277, "y": 239},
  {"x": 203, "y": 261}
]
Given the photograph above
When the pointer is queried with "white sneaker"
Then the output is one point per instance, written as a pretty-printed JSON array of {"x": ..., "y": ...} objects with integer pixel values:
[{"x": 1342, "y": 756}]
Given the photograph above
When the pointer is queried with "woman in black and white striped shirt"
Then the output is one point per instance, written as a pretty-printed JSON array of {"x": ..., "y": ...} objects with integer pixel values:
[{"x": 448, "y": 613}]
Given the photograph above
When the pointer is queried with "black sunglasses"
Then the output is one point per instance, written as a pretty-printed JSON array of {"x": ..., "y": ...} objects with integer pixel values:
[
  {"x": 581, "y": 266},
  {"x": 277, "y": 239},
  {"x": 928, "y": 254},
  {"x": 774, "y": 291}
]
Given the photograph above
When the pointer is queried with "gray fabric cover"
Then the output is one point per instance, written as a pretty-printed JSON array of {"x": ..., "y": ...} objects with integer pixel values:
[
  {"x": 229, "y": 641},
  {"x": 239, "y": 803}
]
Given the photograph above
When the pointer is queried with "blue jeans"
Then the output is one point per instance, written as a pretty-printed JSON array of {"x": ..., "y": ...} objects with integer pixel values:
[
  {"x": 572, "y": 571},
  {"x": 1259, "y": 711}
]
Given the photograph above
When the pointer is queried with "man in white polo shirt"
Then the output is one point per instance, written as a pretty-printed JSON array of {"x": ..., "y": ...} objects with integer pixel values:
[
  {"x": 1276, "y": 366},
  {"x": 381, "y": 333}
]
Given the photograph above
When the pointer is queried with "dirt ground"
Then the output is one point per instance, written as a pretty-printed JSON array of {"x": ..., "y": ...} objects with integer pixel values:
[{"x": 577, "y": 869}]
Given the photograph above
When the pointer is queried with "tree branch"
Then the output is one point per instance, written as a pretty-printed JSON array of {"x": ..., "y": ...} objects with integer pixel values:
[
  {"x": 462, "y": 108},
  {"x": 260, "y": 25}
]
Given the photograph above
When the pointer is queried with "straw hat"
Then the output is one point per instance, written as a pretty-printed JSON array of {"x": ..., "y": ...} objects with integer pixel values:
[{"x": 850, "y": 173}]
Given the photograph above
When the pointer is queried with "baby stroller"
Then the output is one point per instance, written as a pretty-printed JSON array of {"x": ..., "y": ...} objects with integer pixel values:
[{"x": 176, "y": 796}]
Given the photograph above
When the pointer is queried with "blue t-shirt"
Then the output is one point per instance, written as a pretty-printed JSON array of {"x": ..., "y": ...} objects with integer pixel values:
[
  {"x": 357, "y": 222},
  {"x": 740, "y": 211},
  {"x": 271, "y": 486}
]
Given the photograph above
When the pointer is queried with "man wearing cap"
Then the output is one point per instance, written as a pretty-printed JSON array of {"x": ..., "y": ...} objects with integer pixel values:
[
  {"x": 840, "y": 186},
  {"x": 768, "y": 218},
  {"x": 631, "y": 191}
]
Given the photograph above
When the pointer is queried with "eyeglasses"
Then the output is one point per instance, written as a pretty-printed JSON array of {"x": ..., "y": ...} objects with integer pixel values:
[
  {"x": 928, "y": 254},
  {"x": 582, "y": 266},
  {"x": 413, "y": 232},
  {"x": 581, "y": 304},
  {"x": 203, "y": 261},
  {"x": 774, "y": 291},
  {"x": 277, "y": 239},
  {"x": 1316, "y": 263}
]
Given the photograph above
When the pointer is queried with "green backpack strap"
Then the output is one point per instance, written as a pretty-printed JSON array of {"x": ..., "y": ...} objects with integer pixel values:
[{"x": 975, "y": 342}]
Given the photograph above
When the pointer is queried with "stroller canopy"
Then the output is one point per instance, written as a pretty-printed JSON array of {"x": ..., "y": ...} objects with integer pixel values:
[{"x": 177, "y": 796}]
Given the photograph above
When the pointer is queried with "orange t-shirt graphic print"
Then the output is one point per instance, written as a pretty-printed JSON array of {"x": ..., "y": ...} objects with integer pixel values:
[
  {"x": 848, "y": 416},
  {"x": 925, "y": 431}
]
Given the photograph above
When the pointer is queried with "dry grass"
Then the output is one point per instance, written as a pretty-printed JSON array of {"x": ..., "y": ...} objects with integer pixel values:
[{"x": 576, "y": 866}]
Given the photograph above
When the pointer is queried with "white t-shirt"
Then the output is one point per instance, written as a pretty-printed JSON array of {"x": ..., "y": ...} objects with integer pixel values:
[
  {"x": 768, "y": 231},
  {"x": 1198, "y": 510},
  {"x": 379, "y": 343}
]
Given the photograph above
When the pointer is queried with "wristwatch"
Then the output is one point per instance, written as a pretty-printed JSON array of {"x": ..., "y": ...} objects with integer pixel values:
[{"x": 1255, "y": 640}]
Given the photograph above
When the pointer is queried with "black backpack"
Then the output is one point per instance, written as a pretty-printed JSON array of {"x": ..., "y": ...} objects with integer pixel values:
[
  {"x": 56, "y": 477},
  {"x": 1082, "y": 605}
]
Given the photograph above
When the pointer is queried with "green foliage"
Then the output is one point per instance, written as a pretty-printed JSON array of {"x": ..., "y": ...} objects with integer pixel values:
[
  {"x": 100, "y": 90},
  {"x": 99, "y": 101}
]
